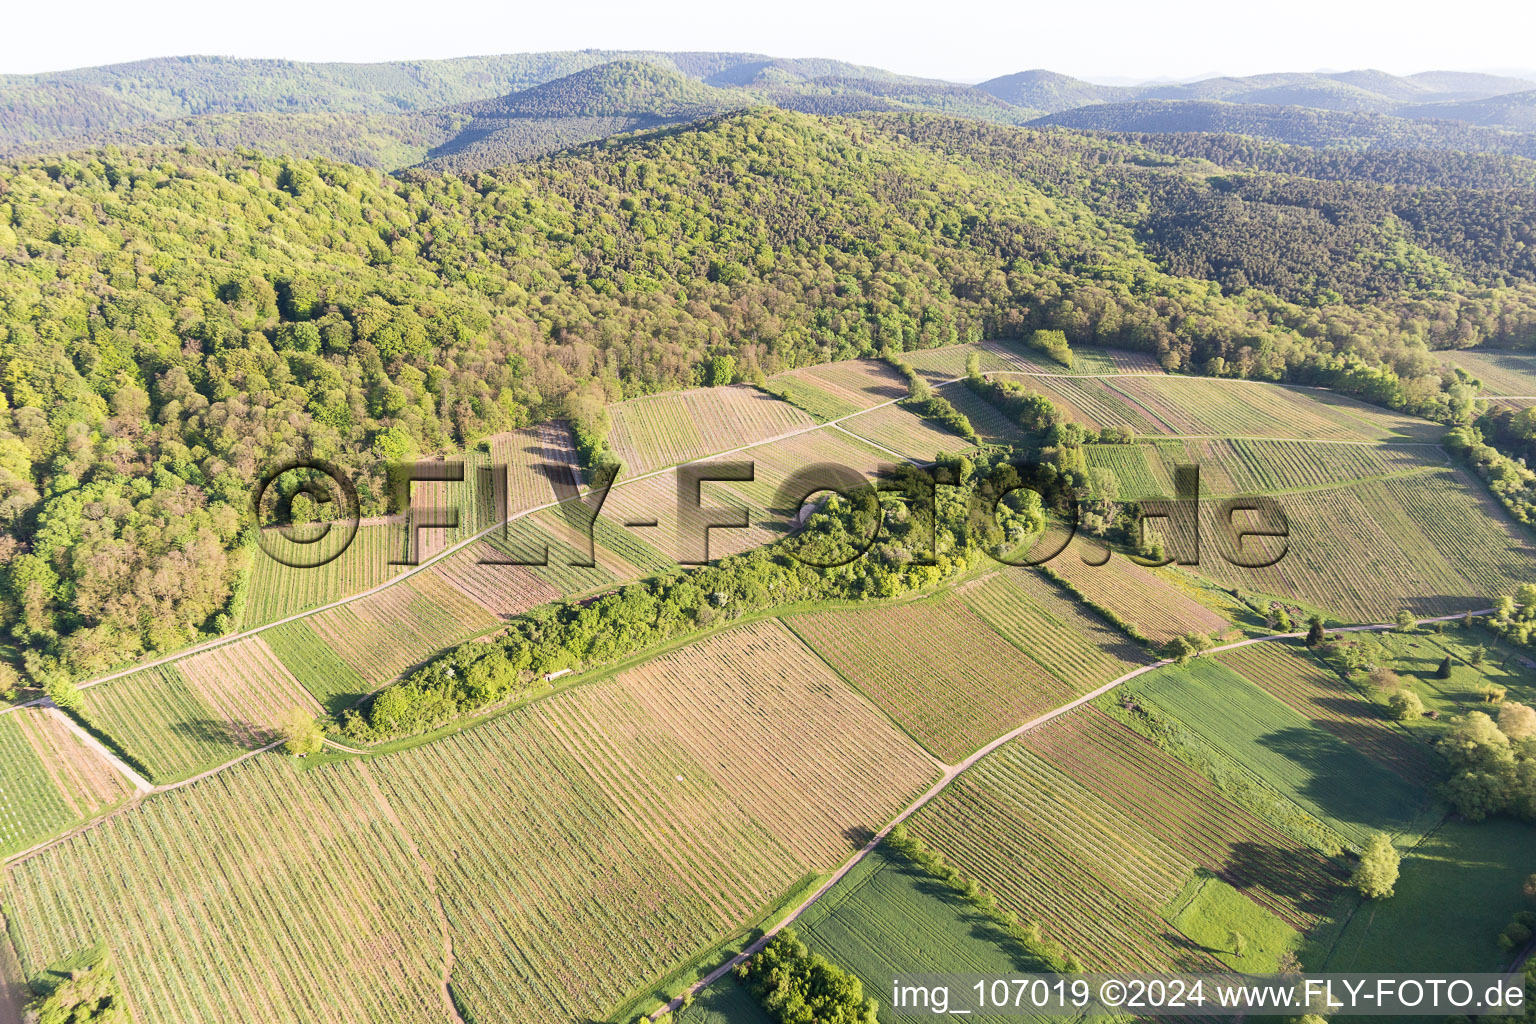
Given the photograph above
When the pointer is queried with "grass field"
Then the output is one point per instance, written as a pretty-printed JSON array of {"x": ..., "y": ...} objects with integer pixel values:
[
  {"x": 1457, "y": 891},
  {"x": 1416, "y": 656},
  {"x": 1352, "y": 793},
  {"x": 1502, "y": 373},
  {"x": 724, "y": 1002},
  {"x": 887, "y": 917},
  {"x": 1289, "y": 673},
  {"x": 938, "y": 670},
  {"x": 50, "y": 782},
  {"x": 663, "y": 430}
]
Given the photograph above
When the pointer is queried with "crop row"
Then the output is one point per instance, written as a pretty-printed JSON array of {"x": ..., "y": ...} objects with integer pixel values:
[
  {"x": 936, "y": 668},
  {"x": 1182, "y": 809},
  {"x": 157, "y": 719},
  {"x": 260, "y": 896},
  {"x": 907, "y": 433},
  {"x": 1368, "y": 550},
  {"x": 1038, "y": 879},
  {"x": 726, "y": 701},
  {"x": 1317, "y": 693},
  {"x": 1156, "y": 608},
  {"x": 1066, "y": 640},
  {"x": 649, "y": 433},
  {"x": 578, "y": 852}
]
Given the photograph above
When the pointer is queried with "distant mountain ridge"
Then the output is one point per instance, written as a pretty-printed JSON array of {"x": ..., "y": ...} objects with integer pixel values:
[{"x": 473, "y": 112}]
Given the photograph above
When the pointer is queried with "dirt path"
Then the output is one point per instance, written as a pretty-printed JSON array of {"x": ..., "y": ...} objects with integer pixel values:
[
  {"x": 952, "y": 772},
  {"x": 429, "y": 875}
]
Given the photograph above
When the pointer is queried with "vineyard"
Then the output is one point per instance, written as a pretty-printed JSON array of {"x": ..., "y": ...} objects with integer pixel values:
[
  {"x": 1327, "y": 777},
  {"x": 887, "y": 916},
  {"x": 938, "y": 669},
  {"x": 655, "y": 499},
  {"x": 833, "y": 390},
  {"x": 1258, "y": 467},
  {"x": 1195, "y": 405},
  {"x": 1138, "y": 470},
  {"x": 1058, "y": 633},
  {"x": 663, "y": 430},
  {"x": 1502, "y": 373},
  {"x": 51, "y": 780},
  {"x": 502, "y": 590},
  {"x": 531, "y": 455},
  {"x": 1287, "y": 672},
  {"x": 1428, "y": 543},
  {"x": 156, "y": 718},
  {"x": 774, "y": 463},
  {"x": 948, "y": 363},
  {"x": 247, "y": 688},
  {"x": 1023, "y": 845},
  {"x": 991, "y": 425},
  {"x": 906, "y": 433},
  {"x": 276, "y": 591},
  {"x": 261, "y": 895},
  {"x": 384, "y": 634},
  {"x": 1180, "y": 808},
  {"x": 1095, "y": 403},
  {"x": 579, "y": 852},
  {"x": 320, "y": 670},
  {"x": 523, "y": 541},
  {"x": 726, "y": 701},
  {"x": 1158, "y": 610}
]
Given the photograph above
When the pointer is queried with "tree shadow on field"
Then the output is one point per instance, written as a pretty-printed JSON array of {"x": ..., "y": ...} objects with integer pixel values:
[
  {"x": 1351, "y": 708},
  {"x": 1300, "y": 876},
  {"x": 231, "y": 732},
  {"x": 979, "y": 925},
  {"x": 858, "y": 836},
  {"x": 1340, "y": 781}
]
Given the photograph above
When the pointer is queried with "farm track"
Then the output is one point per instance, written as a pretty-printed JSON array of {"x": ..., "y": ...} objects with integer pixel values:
[{"x": 952, "y": 772}]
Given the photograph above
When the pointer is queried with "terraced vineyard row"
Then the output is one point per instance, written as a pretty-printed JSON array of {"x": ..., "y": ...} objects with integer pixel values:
[
  {"x": 261, "y": 895},
  {"x": 991, "y": 425},
  {"x": 663, "y": 430},
  {"x": 1502, "y": 373},
  {"x": 1058, "y": 633},
  {"x": 726, "y": 701},
  {"x": 1156, "y": 608},
  {"x": 1289, "y": 673},
  {"x": 50, "y": 780},
  {"x": 1183, "y": 810},
  {"x": 936, "y": 668}
]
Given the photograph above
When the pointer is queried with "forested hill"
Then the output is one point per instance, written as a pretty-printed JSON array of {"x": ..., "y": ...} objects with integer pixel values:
[
  {"x": 173, "y": 322},
  {"x": 1298, "y": 125}
]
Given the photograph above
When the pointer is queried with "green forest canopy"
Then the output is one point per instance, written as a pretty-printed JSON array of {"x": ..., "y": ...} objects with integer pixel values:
[{"x": 173, "y": 322}]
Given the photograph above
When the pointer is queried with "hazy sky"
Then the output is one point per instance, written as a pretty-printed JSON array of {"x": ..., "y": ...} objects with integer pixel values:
[{"x": 1106, "y": 39}]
